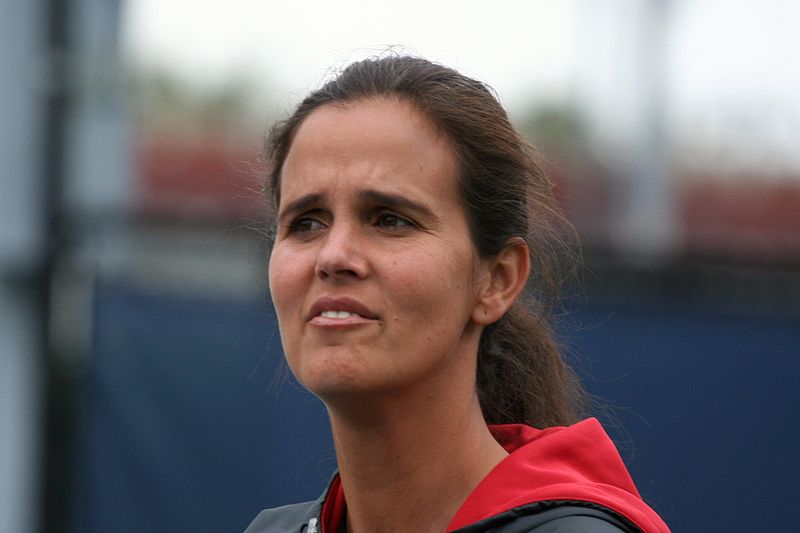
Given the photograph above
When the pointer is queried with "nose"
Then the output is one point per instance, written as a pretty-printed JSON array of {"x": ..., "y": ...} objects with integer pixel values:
[{"x": 341, "y": 256}]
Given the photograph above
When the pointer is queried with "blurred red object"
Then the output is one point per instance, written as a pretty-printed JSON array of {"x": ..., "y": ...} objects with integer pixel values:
[
  {"x": 743, "y": 218},
  {"x": 198, "y": 179},
  {"x": 750, "y": 219}
]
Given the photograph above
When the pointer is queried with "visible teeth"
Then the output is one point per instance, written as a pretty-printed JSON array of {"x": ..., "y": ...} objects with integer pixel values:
[{"x": 337, "y": 314}]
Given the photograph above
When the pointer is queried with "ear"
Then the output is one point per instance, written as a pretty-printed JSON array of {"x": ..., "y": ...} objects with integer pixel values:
[{"x": 507, "y": 274}]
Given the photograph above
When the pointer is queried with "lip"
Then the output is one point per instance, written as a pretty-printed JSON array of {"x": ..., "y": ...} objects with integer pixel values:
[{"x": 350, "y": 305}]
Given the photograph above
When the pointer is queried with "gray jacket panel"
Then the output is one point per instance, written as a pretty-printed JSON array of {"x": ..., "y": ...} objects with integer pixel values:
[{"x": 289, "y": 519}]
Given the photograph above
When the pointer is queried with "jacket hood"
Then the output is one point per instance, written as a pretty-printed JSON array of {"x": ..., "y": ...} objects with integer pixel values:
[{"x": 578, "y": 463}]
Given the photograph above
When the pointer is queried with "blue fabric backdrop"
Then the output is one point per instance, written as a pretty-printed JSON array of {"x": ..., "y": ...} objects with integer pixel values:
[{"x": 185, "y": 426}]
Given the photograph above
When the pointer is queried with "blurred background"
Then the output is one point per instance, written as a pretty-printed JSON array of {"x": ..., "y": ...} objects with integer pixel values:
[{"x": 141, "y": 384}]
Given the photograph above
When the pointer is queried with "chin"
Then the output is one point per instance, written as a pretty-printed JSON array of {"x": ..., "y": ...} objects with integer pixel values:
[{"x": 333, "y": 373}]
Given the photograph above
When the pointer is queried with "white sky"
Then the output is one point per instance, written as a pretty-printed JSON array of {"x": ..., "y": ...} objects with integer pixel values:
[
  {"x": 733, "y": 65},
  {"x": 512, "y": 45}
]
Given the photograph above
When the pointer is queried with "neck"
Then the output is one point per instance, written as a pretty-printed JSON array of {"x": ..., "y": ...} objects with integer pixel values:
[{"x": 408, "y": 462}]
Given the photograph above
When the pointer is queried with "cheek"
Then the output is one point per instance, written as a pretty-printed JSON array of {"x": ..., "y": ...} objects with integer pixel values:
[
  {"x": 285, "y": 281},
  {"x": 285, "y": 285},
  {"x": 274, "y": 269},
  {"x": 433, "y": 284},
  {"x": 275, "y": 277}
]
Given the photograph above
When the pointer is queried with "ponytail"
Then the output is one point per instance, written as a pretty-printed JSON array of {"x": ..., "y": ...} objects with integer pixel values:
[{"x": 521, "y": 375}]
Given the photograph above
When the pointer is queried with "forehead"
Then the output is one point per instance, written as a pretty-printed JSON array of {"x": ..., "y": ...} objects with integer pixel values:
[{"x": 384, "y": 142}]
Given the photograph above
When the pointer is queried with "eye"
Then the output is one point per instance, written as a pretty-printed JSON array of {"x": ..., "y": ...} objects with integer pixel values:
[
  {"x": 393, "y": 222},
  {"x": 304, "y": 225}
]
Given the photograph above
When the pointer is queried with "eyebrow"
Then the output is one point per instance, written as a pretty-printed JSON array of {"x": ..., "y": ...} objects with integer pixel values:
[
  {"x": 301, "y": 204},
  {"x": 392, "y": 201},
  {"x": 396, "y": 201}
]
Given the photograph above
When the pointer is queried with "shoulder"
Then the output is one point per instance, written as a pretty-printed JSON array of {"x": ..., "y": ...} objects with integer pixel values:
[
  {"x": 295, "y": 518},
  {"x": 287, "y": 519},
  {"x": 554, "y": 517}
]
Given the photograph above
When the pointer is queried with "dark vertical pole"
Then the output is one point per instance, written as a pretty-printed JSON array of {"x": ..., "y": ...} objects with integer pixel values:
[{"x": 56, "y": 434}]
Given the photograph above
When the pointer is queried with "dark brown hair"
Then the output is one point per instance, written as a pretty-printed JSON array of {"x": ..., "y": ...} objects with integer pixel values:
[{"x": 521, "y": 375}]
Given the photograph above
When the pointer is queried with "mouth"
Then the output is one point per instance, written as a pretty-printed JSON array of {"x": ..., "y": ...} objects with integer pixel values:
[
  {"x": 332, "y": 311},
  {"x": 338, "y": 314}
]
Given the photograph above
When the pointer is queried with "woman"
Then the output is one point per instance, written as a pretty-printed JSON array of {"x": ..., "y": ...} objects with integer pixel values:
[{"x": 410, "y": 217}]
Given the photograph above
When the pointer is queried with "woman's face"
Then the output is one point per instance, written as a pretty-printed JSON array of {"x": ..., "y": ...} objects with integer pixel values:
[{"x": 373, "y": 274}]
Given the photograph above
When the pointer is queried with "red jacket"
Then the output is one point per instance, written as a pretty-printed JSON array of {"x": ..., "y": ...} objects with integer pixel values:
[{"x": 569, "y": 464}]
